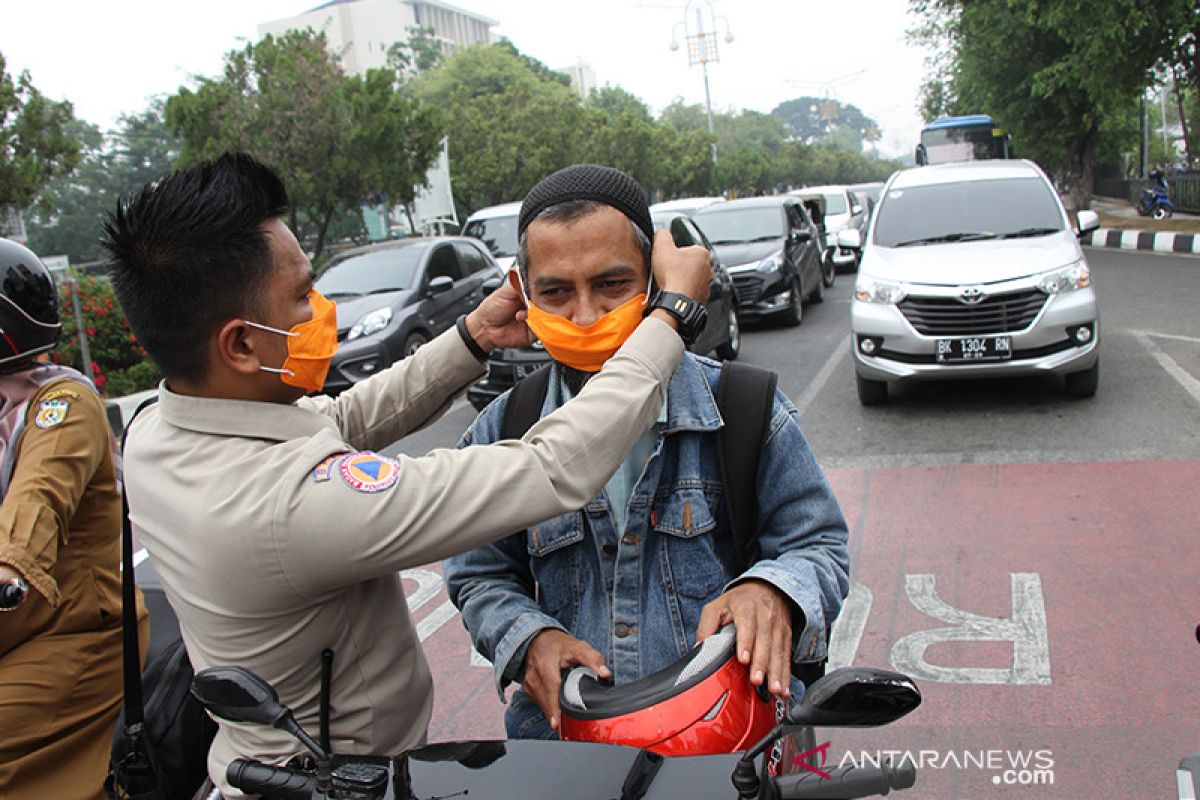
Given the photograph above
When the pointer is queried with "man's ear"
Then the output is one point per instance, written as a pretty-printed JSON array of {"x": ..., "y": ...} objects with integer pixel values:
[{"x": 234, "y": 344}]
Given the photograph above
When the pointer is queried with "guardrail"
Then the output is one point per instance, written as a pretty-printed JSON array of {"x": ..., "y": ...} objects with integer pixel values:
[{"x": 1184, "y": 187}]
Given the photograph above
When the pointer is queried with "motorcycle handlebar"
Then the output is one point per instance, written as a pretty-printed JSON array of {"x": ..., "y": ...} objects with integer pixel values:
[
  {"x": 847, "y": 782},
  {"x": 277, "y": 783}
]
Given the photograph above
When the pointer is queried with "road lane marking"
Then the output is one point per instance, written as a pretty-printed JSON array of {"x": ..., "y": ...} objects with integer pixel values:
[
  {"x": 1172, "y": 368},
  {"x": 848, "y": 628},
  {"x": 1026, "y": 629},
  {"x": 822, "y": 377}
]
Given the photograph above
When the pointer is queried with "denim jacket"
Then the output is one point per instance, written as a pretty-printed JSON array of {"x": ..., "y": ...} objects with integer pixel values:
[{"x": 637, "y": 597}]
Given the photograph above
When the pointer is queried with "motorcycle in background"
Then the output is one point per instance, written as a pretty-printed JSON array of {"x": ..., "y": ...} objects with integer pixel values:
[{"x": 1156, "y": 201}]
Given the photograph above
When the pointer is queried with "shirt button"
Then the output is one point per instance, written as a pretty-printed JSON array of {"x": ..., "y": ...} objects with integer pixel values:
[
  {"x": 610, "y": 549},
  {"x": 622, "y": 630}
]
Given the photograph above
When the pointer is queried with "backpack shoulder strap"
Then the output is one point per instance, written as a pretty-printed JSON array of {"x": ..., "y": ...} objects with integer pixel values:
[
  {"x": 134, "y": 713},
  {"x": 745, "y": 398},
  {"x": 524, "y": 404}
]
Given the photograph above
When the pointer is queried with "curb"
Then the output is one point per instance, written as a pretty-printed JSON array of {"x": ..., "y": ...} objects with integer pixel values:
[{"x": 1157, "y": 241}]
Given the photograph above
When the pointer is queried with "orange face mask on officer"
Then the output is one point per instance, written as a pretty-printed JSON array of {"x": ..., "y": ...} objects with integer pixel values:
[{"x": 311, "y": 346}]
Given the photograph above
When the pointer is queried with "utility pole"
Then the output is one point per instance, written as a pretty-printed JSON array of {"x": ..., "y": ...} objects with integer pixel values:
[{"x": 702, "y": 49}]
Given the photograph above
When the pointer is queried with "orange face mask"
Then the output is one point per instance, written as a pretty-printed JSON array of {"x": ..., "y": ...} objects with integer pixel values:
[
  {"x": 586, "y": 348},
  {"x": 311, "y": 346}
]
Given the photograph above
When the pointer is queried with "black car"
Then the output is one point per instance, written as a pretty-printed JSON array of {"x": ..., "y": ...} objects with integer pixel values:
[
  {"x": 772, "y": 250},
  {"x": 721, "y": 335},
  {"x": 395, "y": 296}
]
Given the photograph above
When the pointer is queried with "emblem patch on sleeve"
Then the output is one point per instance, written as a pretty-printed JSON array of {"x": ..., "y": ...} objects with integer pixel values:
[
  {"x": 51, "y": 413},
  {"x": 324, "y": 471},
  {"x": 369, "y": 472}
]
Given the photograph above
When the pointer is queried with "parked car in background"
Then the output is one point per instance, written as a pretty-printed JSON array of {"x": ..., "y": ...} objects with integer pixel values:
[
  {"x": 973, "y": 270},
  {"x": 684, "y": 205},
  {"x": 843, "y": 209},
  {"x": 869, "y": 194},
  {"x": 496, "y": 227},
  {"x": 721, "y": 335},
  {"x": 772, "y": 250},
  {"x": 393, "y": 297}
]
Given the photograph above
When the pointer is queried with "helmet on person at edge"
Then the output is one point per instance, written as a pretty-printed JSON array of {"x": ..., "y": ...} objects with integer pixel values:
[{"x": 29, "y": 321}]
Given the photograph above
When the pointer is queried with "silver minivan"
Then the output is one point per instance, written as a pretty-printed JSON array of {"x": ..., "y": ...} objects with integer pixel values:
[{"x": 972, "y": 270}]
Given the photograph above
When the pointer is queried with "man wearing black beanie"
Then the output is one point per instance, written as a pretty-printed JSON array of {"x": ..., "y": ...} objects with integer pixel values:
[{"x": 630, "y": 581}]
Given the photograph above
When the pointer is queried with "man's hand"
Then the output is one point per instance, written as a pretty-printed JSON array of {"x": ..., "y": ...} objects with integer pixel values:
[
  {"x": 686, "y": 270},
  {"x": 762, "y": 616},
  {"x": 550, "y": 652},
  {"x": 499, "y": 321}
]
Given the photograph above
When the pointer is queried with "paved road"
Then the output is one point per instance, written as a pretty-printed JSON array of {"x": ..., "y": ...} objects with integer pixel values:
[{"x": 1031, "y": 560}]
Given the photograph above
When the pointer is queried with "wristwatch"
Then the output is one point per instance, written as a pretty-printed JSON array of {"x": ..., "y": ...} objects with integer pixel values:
[
  {"x": 690, "y": 315},
  {"x": 13, "y": 594}
]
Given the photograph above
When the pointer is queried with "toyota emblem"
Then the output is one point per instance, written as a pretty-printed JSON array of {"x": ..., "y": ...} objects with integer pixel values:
[{"x": 971, "y": 295}]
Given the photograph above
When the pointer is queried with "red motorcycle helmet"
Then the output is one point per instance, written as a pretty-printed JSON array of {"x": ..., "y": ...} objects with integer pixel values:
[{"x": 702, "y": 704}]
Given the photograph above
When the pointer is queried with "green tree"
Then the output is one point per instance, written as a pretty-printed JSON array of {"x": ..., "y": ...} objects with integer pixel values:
[
  {"x": 335, "y": 140},
  {"x": 511, "y": 124},
  {"x": 35, "y": 144},
  {"x": 68, "y": 220},
  {"x": 421, "y": 52},
  {"x": 811, "y": 119},
  {"x": 1051, "y": 71}
]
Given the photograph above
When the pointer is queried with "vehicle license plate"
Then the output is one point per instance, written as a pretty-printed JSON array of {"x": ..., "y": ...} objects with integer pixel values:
[{"x": 974, "y": 348}]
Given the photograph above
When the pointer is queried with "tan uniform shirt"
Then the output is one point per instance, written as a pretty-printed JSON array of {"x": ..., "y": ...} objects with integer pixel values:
[
  {"x": 60, "y": 651},
  {"x": 270, "y": 553}
]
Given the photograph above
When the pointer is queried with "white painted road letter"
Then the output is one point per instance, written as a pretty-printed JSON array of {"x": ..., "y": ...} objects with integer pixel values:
[{"x": 1026, "y": 629}]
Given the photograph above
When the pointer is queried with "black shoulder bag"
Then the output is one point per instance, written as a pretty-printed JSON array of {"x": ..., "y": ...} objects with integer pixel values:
[{"x": 160, "y": 749}]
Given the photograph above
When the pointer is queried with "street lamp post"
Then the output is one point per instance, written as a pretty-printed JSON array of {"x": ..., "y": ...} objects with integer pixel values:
[{"x": 702, "y": 49}]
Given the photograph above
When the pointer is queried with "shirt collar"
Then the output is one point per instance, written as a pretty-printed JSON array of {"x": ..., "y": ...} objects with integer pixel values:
[
  {"x": 690, "y": 403},
  {"x": 248, "y": 418}
]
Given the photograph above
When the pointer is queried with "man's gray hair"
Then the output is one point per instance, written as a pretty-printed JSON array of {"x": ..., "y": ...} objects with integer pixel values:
[{"x": 571, "y": 211}]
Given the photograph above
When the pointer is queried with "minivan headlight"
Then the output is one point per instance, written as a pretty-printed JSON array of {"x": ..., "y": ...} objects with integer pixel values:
[
  {"x": 374, "y": 322},
  {"x": 771, "y": 263},
  {"x": 1066, "y": 279},
  {"x": 869, "y": 290}
]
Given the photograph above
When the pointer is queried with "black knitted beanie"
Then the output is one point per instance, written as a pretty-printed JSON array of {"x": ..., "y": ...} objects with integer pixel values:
[{"x": 588, "y": 182}]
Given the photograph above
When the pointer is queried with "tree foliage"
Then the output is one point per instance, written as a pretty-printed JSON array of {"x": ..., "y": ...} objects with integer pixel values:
[
  {"x": 1052, "y": 71},
  {"x": 334, "y": 139},
  {"x": 69, "y": 218},
  {"x": 814, "y": 119},
  {"x": 35, "y": 144}
]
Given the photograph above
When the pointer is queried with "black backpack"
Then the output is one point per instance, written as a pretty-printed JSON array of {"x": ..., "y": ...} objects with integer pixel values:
[{"x": 160, "y": 749}]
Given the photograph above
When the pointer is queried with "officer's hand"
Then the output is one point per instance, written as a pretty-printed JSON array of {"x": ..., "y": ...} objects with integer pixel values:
[
  {"x": 550, "y": 652},
  {"x": 686, "y": 270},
  {"x": 499, "y": 321},
  {"x": 762, "y": 616}
]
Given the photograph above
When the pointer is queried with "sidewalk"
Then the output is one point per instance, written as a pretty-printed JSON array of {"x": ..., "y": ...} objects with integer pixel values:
[{"x": 1127, "y": 230}]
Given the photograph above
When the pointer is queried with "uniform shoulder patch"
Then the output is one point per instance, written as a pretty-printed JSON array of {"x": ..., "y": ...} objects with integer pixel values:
[
  {"x": 68, "y": 394},
  {"x": 52, "y": 412},
  {"x": 324, "y": 471},
  {"x": 368, "y": 472}
]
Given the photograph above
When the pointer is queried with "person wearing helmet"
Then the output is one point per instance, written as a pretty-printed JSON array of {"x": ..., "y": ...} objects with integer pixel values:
[
  {"x": 60, "y": 554},
  {"x": 627, "y": 582},
  {"x": 275, "y": 529}
]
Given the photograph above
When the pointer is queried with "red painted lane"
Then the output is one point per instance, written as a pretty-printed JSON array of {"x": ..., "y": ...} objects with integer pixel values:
[{"x": 1114, "y": 547}]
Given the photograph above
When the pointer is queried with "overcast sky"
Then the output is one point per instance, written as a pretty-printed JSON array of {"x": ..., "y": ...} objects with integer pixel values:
[{"x": 109, "y": 58}]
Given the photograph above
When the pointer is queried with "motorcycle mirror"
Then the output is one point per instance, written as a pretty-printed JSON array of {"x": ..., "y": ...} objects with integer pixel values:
[
  {"x": 856, "y": 697},
  {"x": 238, "y": 695}
]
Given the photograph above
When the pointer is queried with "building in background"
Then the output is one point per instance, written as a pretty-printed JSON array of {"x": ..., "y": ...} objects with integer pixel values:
[
  {"x": 583, "y": 78},
  {"x": 362, "y": 31}
]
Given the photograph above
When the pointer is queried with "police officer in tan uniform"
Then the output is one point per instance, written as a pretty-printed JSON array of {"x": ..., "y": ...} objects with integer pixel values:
[
  {"x": 276, "y": 530},
  {"x": 60, "y": 553}
]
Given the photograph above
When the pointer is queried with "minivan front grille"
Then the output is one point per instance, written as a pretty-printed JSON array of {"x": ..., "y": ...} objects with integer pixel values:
[{"x": 949, "y": 316}]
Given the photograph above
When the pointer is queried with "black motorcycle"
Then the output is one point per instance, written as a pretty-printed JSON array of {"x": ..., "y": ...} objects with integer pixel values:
[{"x": 848, "y": 697}]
